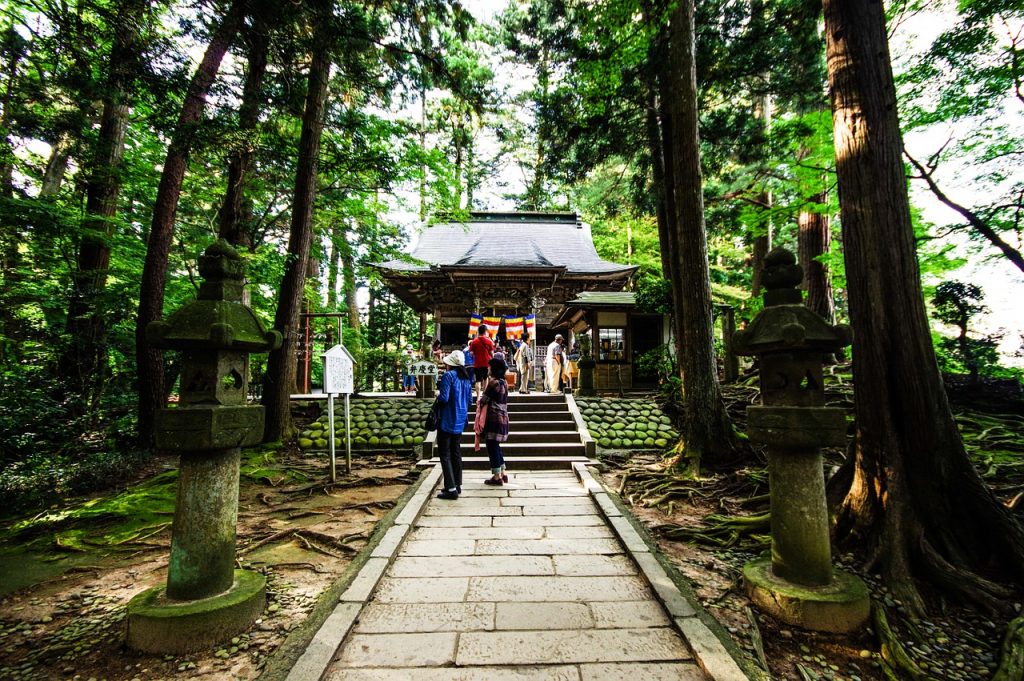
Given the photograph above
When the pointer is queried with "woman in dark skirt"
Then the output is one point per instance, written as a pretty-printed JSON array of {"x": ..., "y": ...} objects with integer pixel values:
[{"x": 495, "y": 426}]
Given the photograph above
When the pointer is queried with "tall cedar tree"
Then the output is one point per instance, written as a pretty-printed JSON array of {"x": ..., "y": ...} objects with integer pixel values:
[
  {"x": 281, "y": 365},
  {"x": 152, "y": 393},
  {"x": 911, "y": 494},
  {"x": 708, "y": 435},
  {"x": 84, "y": 363},
  {"x": 236, "y": 212}
]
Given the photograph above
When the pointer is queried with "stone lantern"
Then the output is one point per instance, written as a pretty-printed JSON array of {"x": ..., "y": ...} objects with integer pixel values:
[
  {"x": 206, "y": 599},
  {"x": 798, "y": 584}
]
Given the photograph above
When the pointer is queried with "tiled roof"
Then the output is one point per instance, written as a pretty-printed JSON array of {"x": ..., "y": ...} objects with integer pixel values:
[
  {"x": 586, "y": 298},
  {"x": 502, "y": 240}
]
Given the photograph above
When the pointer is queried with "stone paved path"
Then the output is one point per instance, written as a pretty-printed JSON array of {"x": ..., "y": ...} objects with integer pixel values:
[{"x": 522, "y": 582}]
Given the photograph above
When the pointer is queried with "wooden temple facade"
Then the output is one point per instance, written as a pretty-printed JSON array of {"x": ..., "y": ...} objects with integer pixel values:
[{"x": 513, "y": 265}]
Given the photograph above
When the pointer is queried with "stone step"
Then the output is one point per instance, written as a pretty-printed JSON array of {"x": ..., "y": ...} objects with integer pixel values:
[
  {"x": 534, "y": 436},
  {"x": 518, "y": 462},
  {"x": 529, "y": 416},
  {"x": 536, "y": 398},
  {"x": 512, "y": 449},
  {"x": 529, "y": 406}
]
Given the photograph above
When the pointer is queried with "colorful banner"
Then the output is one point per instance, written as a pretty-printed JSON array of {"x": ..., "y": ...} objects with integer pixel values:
[
  {"x": 513, "y": 327},
  {"x": 475, "y": 320},
  {"x": 492, "y": 324},
  {"x": 530, "y": 323}
]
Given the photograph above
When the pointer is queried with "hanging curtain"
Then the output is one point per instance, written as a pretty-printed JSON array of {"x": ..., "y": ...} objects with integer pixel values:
[
  {"x": 475, "y": 320},
  {"x": 530, "y": 324},
  {"x": 513, "y": 327},
  {"x": 492, "y": 324}
]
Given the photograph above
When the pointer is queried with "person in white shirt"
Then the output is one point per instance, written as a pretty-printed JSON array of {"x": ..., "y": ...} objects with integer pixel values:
[{"x": 553, "y": 369}]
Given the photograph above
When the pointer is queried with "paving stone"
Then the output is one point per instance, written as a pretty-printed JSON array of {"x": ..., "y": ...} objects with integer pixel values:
[
  {"x": 537, "y": 616},
  {"x": 467, "y": 486},
  {"x": 398, "y": 650},
  {"x": 472, "y": 566},
  {"x": 629, "y": 614},
  {"x": 377, "y": 618},
  {"x": 455, "y": 508},
  {"x": 569, "y": 492},
  {"x": 576, "y": 532},
  {"x": 324, "y": 646},
  {"x": 391, "y": 541},
  {"x": 453, "y": 521},
  {"x": 667, "y": 591},
  {"x": 487, "y": 492},
  {"x": 413, "y": 508},
  {"x": 541, "y": 673},
  {"x": 575, "y": 509},
  {"x": 591, "y": 565},
  {"x": 367, "y": 577},
  {"x": 438, "y": 547},
  {"x": 423, "y": 590},
  {"x": 642, "y": 671},
  {"x": 566, "y": 647},
  {"x": 583, "y": 589},
  {"x": 510, "y": 533},
  {"x": 605, "y": 502},
  {"x": 555, "y": 484},
  {"x": 574, "y": 500},
  {"x": 548, "y": 520},
  {"x": 547, "y": 547},
  {"x": 465, "y": 501},
  {"x": 711, "y": 655},
  {"x": 628, "y": 535}
]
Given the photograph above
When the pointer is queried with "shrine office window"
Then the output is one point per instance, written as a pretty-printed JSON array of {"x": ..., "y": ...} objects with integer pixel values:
[{"x": 611, "y": 344}]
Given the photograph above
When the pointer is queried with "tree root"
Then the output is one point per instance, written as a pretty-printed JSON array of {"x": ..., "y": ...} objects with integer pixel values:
[
  {"x": 725, "y": 531},
  {"x": 896, "y": 661},
  {"x": 992, "y": 597},
  {"x": 755, "y": 638},
  {"x": 1011, "y": 661}
]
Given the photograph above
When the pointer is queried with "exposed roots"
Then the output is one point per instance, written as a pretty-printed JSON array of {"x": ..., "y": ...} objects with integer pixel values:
[
  {"x": 1011, "y": 662},
  {"x": 896, "y": 662},
  {"x": 723, "y": 531}
]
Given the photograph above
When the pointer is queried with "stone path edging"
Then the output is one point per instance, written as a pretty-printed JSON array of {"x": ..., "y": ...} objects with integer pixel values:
[
  {"x": 708, "y": 650},
  {"x": 321, "y": 648}
]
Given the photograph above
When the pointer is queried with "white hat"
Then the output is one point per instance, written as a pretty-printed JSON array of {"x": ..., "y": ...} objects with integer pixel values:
[
  {"x": 558, "y": 335},
  {"x": 455, "y": 358}
]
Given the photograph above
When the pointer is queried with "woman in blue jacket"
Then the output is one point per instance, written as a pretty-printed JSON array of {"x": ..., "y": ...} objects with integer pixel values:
[{"x": 453, "y": 393}]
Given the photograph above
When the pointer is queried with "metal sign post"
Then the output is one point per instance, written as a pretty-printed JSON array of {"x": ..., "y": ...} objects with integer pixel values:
[{"x": 339, "y": 369}]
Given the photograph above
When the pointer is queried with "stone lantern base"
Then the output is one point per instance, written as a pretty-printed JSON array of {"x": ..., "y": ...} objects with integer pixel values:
[
  {"x": 157, "y": 624},
  {"x": 842, "y": 606}
]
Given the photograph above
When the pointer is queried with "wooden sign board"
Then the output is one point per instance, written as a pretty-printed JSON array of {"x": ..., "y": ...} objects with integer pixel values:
[
  {"x": 339, "y": 370},
  {"x": 423, "y": 368}
]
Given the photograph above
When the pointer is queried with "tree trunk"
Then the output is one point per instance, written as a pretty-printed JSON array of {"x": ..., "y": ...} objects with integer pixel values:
[
  {"x": 913, "y": 497},
  {"x": 154, "y": 272},
  {"x": 281, "y": 369},
  {"x": 56, "y": 167},
  {"x": 84, "y": 362},
  {"x": 332, "y": 269},
  {"x": 814, "y": 239},
  {"x": 348, "y": 274},
  {"x": 236, "y": 209},
  {"x": 707, "y": 431}
]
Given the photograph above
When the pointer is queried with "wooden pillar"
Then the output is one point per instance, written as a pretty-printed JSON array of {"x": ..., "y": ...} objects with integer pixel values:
[{"x": 424, "y": 347}]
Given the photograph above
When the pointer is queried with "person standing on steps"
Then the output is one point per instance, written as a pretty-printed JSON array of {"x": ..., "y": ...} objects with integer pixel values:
[
  {"x": 553, "y": 370},
  {"x": 453, "y": 394},
  {"x": 482, "y": 348},
  {"x": 524, "y": 361},
  {"x": 493, "y": 426}
]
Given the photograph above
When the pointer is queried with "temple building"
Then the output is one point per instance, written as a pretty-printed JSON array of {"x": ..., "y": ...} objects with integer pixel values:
[{"x": 509, "y": 266}]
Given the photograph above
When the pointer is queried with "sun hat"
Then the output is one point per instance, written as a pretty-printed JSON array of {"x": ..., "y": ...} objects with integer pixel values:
[
  {"x": 455, "y": 358},
  {"x": 558, "y": 336}
]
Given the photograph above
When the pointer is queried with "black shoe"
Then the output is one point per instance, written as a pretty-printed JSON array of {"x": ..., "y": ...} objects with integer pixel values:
[
  {"x": 458, "y": 490},
  {"x": 492, "y": 481},
  {"x": 449, "y": 495}
]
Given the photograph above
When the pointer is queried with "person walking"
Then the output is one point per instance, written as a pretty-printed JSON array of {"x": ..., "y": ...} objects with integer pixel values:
[
  {"x": 553, "y": 370},
  {"x": 482, "y": 348},
  {"x": 453, "y": 394},
  {"x": 524, "y": 361},
  {"x": 492, "y": 423}
]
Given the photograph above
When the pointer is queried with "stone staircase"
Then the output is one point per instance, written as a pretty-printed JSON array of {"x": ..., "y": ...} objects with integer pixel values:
[{"x": 544, "y": 431}]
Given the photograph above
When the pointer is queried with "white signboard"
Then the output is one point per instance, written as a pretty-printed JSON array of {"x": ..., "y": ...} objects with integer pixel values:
[
  {"x": 423, "y": 369},
  {"x": 338, "y": 371}
]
